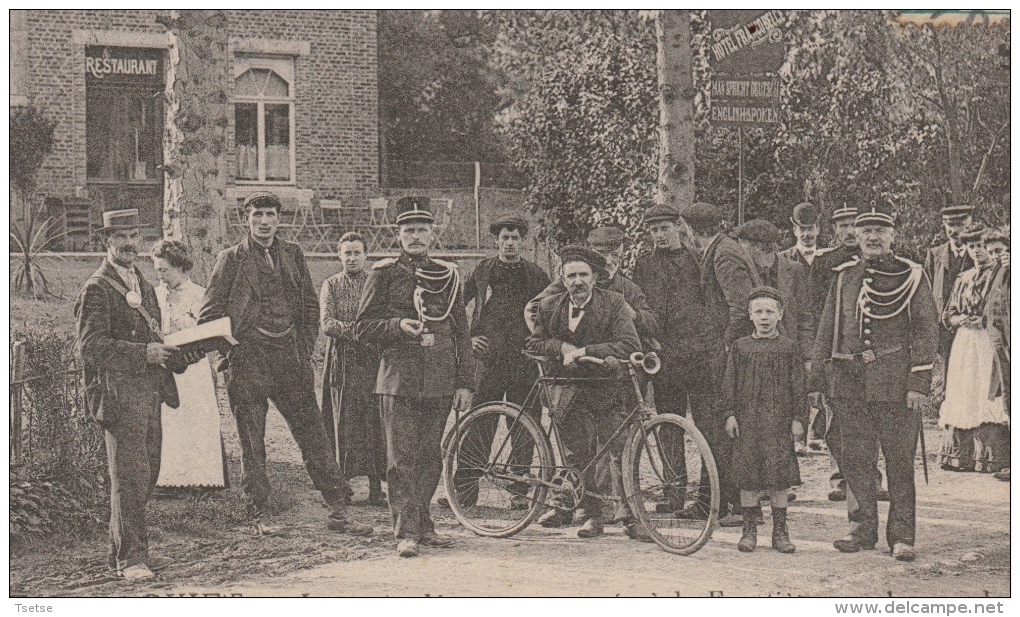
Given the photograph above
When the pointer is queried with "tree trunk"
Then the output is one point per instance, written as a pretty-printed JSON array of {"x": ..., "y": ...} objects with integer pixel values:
[
  {"x": 676, "y": 108},
  {"x": 195, "y": 135}
]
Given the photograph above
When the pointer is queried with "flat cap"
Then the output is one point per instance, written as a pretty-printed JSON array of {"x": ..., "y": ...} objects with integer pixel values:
[
  {"x": 764, "y": 291},
  {"x": 606, "y": 237},
  {"x": 576, "y": 252},
  {"x": 414, "y": 210},
  {"x": 758, "y": 230},
  {"x": 510, "y": 220},
  {"x": 661, "y": 212},
  {"x": 804, "y": 215},
  {"x": 957, "y": 211},
  {"x": 702, "y": 215},
  {"x": 879, "y": 215},
  {"x": 263, "y": 199}
]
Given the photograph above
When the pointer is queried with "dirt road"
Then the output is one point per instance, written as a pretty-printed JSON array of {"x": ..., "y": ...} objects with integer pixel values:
[{"x": 963, "y": 541}]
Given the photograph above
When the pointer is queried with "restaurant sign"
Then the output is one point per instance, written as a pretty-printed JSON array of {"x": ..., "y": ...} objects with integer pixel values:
[{"x": 122, "y": 63}]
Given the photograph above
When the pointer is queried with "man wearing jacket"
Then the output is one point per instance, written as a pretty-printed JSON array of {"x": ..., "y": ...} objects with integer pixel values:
[
  {"x": 412, "y": 307},
  {"x": 500, "y": 287},
  {"x": 263, "y": 285},
  {"x": 943, "y": 264},
  {"x": 126, "y": 381},
  {"x": 876, "y": 341}
]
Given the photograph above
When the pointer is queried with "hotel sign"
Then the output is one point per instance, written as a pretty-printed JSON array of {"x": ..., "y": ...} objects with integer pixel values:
[{"x": 746, "y": 50}]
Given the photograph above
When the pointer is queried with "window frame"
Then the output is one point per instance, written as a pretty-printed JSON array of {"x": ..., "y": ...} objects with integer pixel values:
[{"x": 284, "y": 67}]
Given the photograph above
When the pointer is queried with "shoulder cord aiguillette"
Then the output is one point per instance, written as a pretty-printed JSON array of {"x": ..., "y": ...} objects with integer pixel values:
[
  {"x": 898, "y": 298},
  {"x": 450, "y": 278}
]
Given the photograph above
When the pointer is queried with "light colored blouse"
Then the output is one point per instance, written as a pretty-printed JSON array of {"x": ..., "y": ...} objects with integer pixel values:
[{"x": 180, "y": 306}]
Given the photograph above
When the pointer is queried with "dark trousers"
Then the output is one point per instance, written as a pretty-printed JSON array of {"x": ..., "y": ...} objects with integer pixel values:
[
  {"x": 414, "y": 433},
  {"x": 865, "y": 427},
  {"x": 493, "y": 386},
  {"x": 693, "y": 383},
  {"x": 834, "y": 441},
  {"x": 133, "y": 451},
  {"x": 260, "y": 373},
  {"x": 595, "y": 413}
]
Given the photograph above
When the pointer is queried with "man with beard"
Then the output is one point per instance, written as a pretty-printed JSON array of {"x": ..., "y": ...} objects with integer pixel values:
[
  {"x": 126, "y": 381},
  {"x": 943, "y": 264},
  {"x": 587, "y": 320},
  {"x": 413, "y": 309},
  {"x": 500, "y": 287},
  {"x": 263, "y": 285},
  {"x": 877, "y": 339},
  {"x": 608, "y": 242}
]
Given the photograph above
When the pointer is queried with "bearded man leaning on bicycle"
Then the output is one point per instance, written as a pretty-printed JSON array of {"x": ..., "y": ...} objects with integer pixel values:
[{"x": 586, "y": 321}]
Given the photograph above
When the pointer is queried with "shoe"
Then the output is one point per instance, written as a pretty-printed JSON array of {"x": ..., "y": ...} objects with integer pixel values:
[
  {"x": 137, "y": 572},
  {"x": 436, "y": 541},
  {"x": 592, "y": 528},
  {"x": 377, "y": 499},
  {"x": 881, "y": 495},
  {"x": 837, "y": 494},
  {"x": 637, "y": 531},
  {"x": 342, "y": 522},
  {"x": 851, "y": 544},
  {"x": 780, "y": 534},
  {"x": 903, "y": 552},
  {"x": 749, "y": 537},
  {"x": 555, "y": 518},
  {"x": 158, "y": 563},
  {"x": 407, "y": 548},
  {"x": 731, "y": 520},
  {"x": 1002, "y": 475},
  {"x": 443, "y": 502},
  {"x": 791, "y": 496}
]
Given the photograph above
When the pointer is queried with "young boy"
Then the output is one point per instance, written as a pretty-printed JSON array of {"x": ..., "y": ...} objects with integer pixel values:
[{"x": 765, "y": 397}]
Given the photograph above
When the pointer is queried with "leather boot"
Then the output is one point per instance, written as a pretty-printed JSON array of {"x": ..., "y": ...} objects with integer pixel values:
[
  {"x": 780, "y": 535},
  {"x": 749, "y": 539}
]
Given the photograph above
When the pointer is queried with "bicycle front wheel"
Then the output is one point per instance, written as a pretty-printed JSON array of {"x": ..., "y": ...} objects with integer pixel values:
[
  {"x": 671, "y": 483},
  {"x": 496, "y": 468}
]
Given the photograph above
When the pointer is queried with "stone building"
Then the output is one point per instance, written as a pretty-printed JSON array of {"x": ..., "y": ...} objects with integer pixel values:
[{"x": 294, "y": 110}]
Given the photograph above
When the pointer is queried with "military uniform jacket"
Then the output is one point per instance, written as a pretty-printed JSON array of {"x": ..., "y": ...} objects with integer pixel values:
[
  {"x": 406, "y": 368},
  {"x": 823, "y": 273},
  {"x": 234, "y": 290},
  {"x": 914, "y": 330},
  {"x": 606, "y": 328},
  {"x": 112, "y": 338}
]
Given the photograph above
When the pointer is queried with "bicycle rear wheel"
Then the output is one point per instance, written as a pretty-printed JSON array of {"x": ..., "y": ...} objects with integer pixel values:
[
  {"x": 494, "y": 474},
  {"x": 671, "y": 483}
]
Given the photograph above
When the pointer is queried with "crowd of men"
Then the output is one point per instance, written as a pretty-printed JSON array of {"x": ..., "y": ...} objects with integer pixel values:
[{"x": 864, "y": 320}]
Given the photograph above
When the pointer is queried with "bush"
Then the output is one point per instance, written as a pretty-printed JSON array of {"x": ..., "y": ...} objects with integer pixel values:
[{"x": 58, "y": 460}]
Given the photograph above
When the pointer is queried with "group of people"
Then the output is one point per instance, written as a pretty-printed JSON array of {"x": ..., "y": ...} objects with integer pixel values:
[{"x": 751, "y": 339}]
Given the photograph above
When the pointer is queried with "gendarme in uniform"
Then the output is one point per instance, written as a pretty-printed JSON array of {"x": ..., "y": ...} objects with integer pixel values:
[
  {"x": 877, "y": 339},
  {"x": 413, "y": 309}
]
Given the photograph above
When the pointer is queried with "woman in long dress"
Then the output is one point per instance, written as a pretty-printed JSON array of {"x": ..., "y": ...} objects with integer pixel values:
[
  {"x": 192, "y": 454},
  {"x": 977, "y": 426},
  {"x": 350, "y": 407}
]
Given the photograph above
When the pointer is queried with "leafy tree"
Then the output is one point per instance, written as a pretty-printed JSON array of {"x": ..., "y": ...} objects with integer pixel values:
[
  {"x": 582, "y": 125},
  {"x": 438, "y": 93}
]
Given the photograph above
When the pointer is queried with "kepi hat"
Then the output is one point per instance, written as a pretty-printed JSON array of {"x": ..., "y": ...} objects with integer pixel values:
[
  {"x": 957, "y": 211},
  {"x": 414, "y": 210},
  {"x": 846, "y": 212},
  {"x": 875, "y": 215},
  {"x": 114, "y": 220}
]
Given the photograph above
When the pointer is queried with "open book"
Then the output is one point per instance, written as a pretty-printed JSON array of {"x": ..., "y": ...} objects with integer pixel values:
[{"x": 211, "y": 336}]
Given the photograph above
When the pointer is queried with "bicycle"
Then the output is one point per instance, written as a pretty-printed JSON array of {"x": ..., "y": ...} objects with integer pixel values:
[{"x": 501, "y": 470}]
